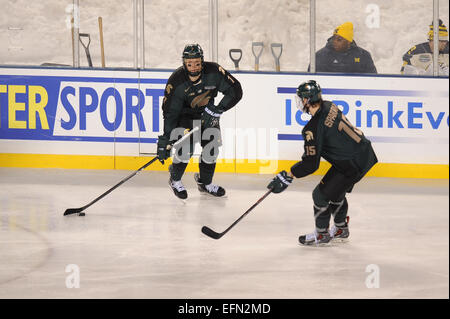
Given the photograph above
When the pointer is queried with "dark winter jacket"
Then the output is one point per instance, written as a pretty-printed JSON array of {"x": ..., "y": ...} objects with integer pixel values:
[{"x": 354, "y": 60}]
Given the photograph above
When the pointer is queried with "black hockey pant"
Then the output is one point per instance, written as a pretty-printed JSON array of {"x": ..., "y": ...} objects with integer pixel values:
[
  {"x": 210, "y": 142},
  {"x": 329, "y": 198}
]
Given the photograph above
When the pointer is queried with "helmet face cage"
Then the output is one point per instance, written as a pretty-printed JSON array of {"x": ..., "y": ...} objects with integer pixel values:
[
  {"x": 299, "y": 103},
  {"x": 192, "y": 51},
  {"x": 308, "y": 90}
]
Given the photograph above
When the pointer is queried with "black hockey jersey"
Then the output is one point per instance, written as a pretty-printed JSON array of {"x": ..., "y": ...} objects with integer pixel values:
[
  {"x": 331, "y": 136},
  {"x": 183, "y": 97}
]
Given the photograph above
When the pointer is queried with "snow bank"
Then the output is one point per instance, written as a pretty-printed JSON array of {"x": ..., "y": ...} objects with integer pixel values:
[{"x": 34, "y": 32}]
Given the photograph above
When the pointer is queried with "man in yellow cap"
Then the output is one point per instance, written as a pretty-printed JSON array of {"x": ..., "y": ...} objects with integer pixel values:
[
  {"x": 419, "y": 59},
  {"x": 342, "y": 55}
]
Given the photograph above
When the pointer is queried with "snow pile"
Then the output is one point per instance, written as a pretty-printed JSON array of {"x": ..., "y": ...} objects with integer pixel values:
[{"x": 34, "y": 32}]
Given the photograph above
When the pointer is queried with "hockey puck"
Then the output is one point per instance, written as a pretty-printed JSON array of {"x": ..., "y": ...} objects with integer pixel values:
[{"x": 81, "y": 214}]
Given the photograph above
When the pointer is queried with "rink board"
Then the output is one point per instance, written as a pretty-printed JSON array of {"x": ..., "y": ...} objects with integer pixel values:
[{"x": 111, "y": 119}]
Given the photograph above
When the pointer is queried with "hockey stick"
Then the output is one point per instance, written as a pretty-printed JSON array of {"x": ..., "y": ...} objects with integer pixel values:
[
  {"x": 70, "y": 211},
  {"x": 211, "y": 233}
]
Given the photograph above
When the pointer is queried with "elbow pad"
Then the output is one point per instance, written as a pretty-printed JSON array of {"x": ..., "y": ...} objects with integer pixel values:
[{"x": 303, "y": 168}]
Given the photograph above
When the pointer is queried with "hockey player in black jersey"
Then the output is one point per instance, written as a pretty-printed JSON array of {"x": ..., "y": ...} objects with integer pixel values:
[
  {"x": 189, "y": 98},
  {"x": 329, "y": 135}
]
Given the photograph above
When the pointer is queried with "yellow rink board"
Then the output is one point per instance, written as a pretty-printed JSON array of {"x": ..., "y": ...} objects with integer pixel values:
[{"x": 230, "y": 166}]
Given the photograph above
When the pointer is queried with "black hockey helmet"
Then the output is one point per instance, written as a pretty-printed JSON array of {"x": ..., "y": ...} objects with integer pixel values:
[
  {"x": 309, "y": 90},
  {"x": 192, "y": 51}
]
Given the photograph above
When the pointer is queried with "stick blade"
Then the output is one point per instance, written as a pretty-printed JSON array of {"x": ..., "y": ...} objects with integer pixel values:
[
  {"x": 210, "y": 233},
  {"x": 70, "y": 211}
]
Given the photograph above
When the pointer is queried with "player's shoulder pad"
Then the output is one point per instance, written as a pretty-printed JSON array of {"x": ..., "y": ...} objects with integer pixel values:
[
  {"x": 310, "y": 129},
  {"x": 312, "y": 124},
  {"x": 213, "y": 67},
  {"x": 327, "y": 104},
  {"x": 177, "y": 78}
]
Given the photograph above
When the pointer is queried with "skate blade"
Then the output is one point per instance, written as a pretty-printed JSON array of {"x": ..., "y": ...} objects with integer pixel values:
[
  {"x": 211, "y": 195},
  {"x": 339, "y": 240},
  {"x": 316, "y": 245}
]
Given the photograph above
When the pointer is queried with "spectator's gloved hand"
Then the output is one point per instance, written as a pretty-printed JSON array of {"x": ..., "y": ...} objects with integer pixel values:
[
  {"x": 280, "y": 182},
  {"x": 163, "y": 151},
  {"x": 211, "y": 117},
  {"x": 443, "y": 68}
]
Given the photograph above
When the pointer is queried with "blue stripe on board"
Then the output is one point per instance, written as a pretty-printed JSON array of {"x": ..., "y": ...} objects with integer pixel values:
[
  {"x": 290, "y": 137},
  {"x": 91, "y": 139},
  {"x": 375, "y": 139},
  {"x": 88, "y": 79},
  {"x": 363, "y": 92}
]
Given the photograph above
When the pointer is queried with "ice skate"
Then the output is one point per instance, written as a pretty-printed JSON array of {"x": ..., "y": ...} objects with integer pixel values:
[
  {"x": 316, "y": 238},
  {"x": 177, "y": 187},
  {"x": 211, "y": 189},
  {"x": 340, "y": 233}
]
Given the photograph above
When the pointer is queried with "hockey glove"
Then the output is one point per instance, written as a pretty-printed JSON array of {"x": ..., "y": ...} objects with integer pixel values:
[
  {"x": 163, "y": 151},
  {"x": 211, "y": 117},
  {"x": 280, "y": 182}
]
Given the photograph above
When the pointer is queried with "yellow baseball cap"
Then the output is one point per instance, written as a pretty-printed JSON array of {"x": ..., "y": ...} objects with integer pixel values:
[{"x": 345, "y": 30}]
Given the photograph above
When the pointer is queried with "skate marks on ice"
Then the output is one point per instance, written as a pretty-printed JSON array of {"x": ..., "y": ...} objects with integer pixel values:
[{"x": 142, "y": 242}]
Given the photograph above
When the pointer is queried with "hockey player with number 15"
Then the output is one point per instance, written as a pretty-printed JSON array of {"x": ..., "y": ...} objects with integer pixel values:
[{"x": 330, "y": 135}]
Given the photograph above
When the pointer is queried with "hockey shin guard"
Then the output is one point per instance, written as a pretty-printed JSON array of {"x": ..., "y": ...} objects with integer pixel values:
[
  {"x": 206, "y": 172},
  {"x": 210, "y": 152},
  {"x": 177, "y": 170},
  {"x": 321, "y": 212},
  {"x": 339, "y": 211}
]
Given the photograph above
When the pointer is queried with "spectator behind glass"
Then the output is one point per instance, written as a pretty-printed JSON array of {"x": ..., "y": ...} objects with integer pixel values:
[
  {"x": 419, "y": 59},
  {"x": 342, "y": 55}
]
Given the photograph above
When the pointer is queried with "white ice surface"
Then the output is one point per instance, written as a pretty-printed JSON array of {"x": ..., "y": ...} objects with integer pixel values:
[{"x": 142, "y": 242}]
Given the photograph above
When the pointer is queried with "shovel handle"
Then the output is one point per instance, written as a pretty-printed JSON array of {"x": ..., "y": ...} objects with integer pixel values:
[
  {"x": 257, "y": 54},
  {"x": 277, "y": 57},
  {"x": 236, "y": 61},
  {"x": 86, "y": 47}
]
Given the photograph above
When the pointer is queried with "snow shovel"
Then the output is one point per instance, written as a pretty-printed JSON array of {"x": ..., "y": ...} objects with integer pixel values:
[
  {"x": 86, "y": 47},
  {"x": 236, "y": 60},
  {"x": 257, "y": 54},
  {"x": 277, "y": 57}
]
